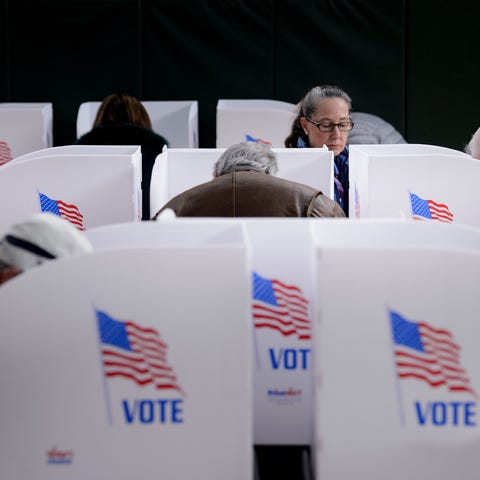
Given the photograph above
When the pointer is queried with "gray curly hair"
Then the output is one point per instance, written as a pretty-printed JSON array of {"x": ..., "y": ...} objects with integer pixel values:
[{"x": 258, "y": 156}]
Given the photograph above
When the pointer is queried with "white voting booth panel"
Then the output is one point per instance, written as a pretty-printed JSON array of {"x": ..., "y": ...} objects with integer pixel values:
[
  {"x": 405, "y": 149},
  {"x": 81, "y": 150},
  {"x": 282, "y": 313},
  {"x": 136, "y": 365},
  {"x": 177, "y": 232},
  {"x": 282, "y": 292},
  {"x": 380, "y": 233},
  {"x": 177, "y": 170},
  {"x": 264, "y": 121},
  {"x": 395, "y": 366},
  {"x": 86, "y": 189},
  {"x": 176, "y": 121},
  {"x": 435, "y": 186},
  {"x": 26, "y": 127}
]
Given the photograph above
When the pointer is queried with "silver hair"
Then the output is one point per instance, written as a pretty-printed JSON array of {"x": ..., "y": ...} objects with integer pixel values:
[
  {"x": 317, "y": 94},
  {"x": 473, "y": 147},
  {"x": 258, "y": 156}
]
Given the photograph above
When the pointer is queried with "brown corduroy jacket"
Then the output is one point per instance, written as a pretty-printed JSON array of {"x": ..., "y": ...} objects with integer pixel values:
[{"x": 252, "y": 194}]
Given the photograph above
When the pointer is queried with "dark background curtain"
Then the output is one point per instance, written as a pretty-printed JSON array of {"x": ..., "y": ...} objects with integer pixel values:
[{"x": 414, "y": 63}]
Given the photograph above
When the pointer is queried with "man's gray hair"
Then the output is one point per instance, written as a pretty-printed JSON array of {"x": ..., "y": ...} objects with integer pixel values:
[
  {"x": 473, "y": 148},
  {"x": 246, "y": 155}
]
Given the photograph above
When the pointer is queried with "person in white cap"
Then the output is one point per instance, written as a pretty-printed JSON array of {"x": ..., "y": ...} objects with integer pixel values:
[{"x": 38, "y": 238}]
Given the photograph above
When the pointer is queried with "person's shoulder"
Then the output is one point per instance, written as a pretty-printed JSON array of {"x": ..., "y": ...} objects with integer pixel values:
[
  {"x": 103, "y": 135},
  {"x": 122, "y": 134},
  {"x": 192, "y": 196},
  {"x": 324, "y": 206}
]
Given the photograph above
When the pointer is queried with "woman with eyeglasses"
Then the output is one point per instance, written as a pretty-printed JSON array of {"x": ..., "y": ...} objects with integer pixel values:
[{"x": 324, "y": 119}]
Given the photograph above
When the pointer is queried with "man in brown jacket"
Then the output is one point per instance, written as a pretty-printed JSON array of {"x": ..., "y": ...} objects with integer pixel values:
[{"x": 244, "y": 185}]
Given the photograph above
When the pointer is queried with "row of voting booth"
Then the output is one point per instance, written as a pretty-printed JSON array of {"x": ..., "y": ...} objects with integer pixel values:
[
  {"x": 26, "y": 127},
  {"x": 199, "y": 338},
  {"x": 177, "y": 345},
  {"x": 102, "y": 184}
]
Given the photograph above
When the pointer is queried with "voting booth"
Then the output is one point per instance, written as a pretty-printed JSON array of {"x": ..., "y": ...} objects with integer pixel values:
[
  {"x": 138, "y": 366},
  {"x": 177, "y": 170},
  {"x": 282, "y": 270},
  {"x": 263, "y": 121},
  {"x": 395, "y": 350},
  {"x": 24, "y": 127},
  {"x": 282, "y": 313},
  {"x": 87, "y": 186},
  {"x": 176, "y": 121},
  {"x": 424, "y": 182}
]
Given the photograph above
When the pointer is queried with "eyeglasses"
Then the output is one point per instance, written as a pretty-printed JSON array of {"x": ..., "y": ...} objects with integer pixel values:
[{"x": 328, "y": 127}]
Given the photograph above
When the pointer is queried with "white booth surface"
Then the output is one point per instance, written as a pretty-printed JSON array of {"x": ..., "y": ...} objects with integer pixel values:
[
  {"x": 86, "y": 189},
  {"x": 175, "y": 120},
  {"x": 129, "y": 363},
  {"x": 81, "y": 150},
  {"x": 281, "y": 301},
  {"x": 262, "y": 121},
  {"x": 425, "y": 186},
  {"x": 395, "y": 355},
  {"x": 177, "y": 170},
  {"x": 24, "y": 127},
  {"x": 282, "y": 313},
  {"x": 380, "y": 233}
]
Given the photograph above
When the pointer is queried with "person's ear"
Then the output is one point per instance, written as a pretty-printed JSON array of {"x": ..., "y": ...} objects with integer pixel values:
[{"x": 303, "y": 123}]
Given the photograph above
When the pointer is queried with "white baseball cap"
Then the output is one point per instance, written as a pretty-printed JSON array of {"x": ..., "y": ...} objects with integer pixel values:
[{"x": 39, "y": 238}]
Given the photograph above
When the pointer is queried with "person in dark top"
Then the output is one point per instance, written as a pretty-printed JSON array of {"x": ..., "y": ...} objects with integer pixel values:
[
  {"x": 123, "y": 120},
  {"x": 324, "y": 119}
]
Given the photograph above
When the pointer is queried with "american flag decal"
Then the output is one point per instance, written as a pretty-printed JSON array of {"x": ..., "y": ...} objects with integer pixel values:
[
  {"x": 357, "y": 203},
  {"x": 280, "y": 307},
  {"x": 67, "y": 211},
  {"x": 428, "y": 354},
  {"x": 5, "y": 153},
  {"x": 429, "y": 210},
  {"x": 249, "y": 138},
  {"x": 134, "y": 352}
]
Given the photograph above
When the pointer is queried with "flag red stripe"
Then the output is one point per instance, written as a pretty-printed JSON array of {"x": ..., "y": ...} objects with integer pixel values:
[{"x": 145, "y": 381}]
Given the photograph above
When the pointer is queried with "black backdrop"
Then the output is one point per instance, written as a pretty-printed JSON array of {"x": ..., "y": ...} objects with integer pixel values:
[{"x": 413, "y": 62}]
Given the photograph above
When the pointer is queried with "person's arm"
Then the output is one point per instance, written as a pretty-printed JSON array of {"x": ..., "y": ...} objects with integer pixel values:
[{"x": 322, "y": 206}]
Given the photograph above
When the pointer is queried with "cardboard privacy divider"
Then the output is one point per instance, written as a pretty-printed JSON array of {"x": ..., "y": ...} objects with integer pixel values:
[
  {"x": 80, "y": 150},
  {"x": 26, "y": 127},
  {"x": 404, "y": 180},
  {"x": 176, "y": 121},
  {"x": 165, "y": 232},
  {"x": 86, "y": 189},
  {"x": 282, "y": 270},
  {"x": 177, "y": 170},
  {"x": 381, "y": 233},
  {"x": 84, "y": 392},
  {"x": 395, "y": 352},
  {"x": 281, "y": 300},
  {"x": 264, "y": 121}
]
